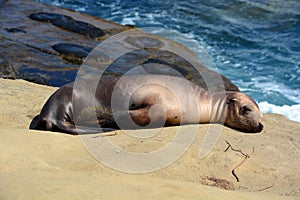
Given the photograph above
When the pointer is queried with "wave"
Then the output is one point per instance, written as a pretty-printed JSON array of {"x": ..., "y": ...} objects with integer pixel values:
[
  {"x": 269, "y": 86},
  {"x": 291, "y": 112}
]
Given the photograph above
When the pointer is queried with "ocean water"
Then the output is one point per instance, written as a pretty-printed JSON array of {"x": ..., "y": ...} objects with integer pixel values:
[{"x": 255, "y": 43}]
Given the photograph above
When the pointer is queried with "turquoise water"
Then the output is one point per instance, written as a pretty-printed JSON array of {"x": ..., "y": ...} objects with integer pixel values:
[{"x": 255, "y": 43}]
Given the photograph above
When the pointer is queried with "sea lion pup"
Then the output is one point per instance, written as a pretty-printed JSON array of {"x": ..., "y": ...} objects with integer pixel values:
[{"x": 145, "y": 101}]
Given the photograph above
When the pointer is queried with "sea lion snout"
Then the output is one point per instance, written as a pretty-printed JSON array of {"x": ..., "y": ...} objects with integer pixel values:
[
  {"x": 257, "y": 118},
  {"x": 260, "y": 126}
]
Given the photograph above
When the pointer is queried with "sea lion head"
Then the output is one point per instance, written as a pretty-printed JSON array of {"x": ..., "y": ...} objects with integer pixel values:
[{"x": 243, "y": 113}]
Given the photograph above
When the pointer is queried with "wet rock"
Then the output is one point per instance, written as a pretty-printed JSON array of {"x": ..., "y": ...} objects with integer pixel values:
[
  {"x": 28, "y": 45},
  {"x": 46, "y": 17},
  {"x": 15, "y": 30},
  {"x": 6, "y": 69},
  {"x": 68, "y": 23},
  {"x": 48, "y": 45},
  {"x": 35, "y": 78},
  {"x": 72, "y": 52},
  {"x": 2, "y": 3}
]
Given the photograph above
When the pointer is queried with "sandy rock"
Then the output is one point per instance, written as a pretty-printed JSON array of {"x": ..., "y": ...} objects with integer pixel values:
[{"x": 40, "y": 164}]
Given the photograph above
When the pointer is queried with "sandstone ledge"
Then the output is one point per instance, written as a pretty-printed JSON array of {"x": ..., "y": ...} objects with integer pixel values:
[
  {"x": 47, "y": 165},
  {"x": 41, "y": 165}
]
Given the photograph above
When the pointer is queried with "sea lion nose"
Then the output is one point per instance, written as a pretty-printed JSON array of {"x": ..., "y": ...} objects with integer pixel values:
[{"x": 260, "y": 126}]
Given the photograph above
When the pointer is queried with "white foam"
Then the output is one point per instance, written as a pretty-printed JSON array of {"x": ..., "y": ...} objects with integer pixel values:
[
  {"x": 292, "y": 112},
  {"x": 128, "y": 20},
  {"x": 131, "y": 18},
  {"x": 267, "y": 85},
  {"x": 56, "y": 3},
  {"x": 80, "y": 9}
]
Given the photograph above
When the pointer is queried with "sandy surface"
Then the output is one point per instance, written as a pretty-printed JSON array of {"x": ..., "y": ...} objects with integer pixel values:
[{"x": 46, "y": 165}]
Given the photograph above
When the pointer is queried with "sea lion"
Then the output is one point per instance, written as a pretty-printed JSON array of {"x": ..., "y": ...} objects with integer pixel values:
[{"x": 145, "y": 101}]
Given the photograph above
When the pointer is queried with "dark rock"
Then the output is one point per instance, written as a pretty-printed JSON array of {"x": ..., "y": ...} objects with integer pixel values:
[
  {"x": 68, "y": 23},
  {"x": 6, "y": 69},
  {"x": 32, "y": 55},
  {"x": 46, "y": 17},
  {"x": 73, "y": 53},
  {"x": 130, "y": 26},
  {"x": 2, "y": 3},
  {"x": 15, "y": 30},
  {"x": 35, "y": 78}
]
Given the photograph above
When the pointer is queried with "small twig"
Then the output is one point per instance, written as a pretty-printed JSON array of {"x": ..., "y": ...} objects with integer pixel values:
[
  {"x": 247, "y": 156},
  {"x": 233, "y": 170},
  {"x": 229, "y": 145},
  {"x": 260, "y": 190},
  {"x": 237, "y": 150},
  {"x": 107, "y": 134},
  {"x": 235, "y": 176}
]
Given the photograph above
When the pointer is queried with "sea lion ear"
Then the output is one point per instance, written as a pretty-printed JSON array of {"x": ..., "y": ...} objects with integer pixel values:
[{"x": 231, "y": 100}]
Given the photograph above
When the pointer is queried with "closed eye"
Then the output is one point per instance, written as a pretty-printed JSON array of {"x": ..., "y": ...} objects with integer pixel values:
[{"x": 245, "y": 110}]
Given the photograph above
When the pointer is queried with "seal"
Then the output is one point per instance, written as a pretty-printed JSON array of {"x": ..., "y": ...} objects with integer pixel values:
[{"x": 144, "y": 101}]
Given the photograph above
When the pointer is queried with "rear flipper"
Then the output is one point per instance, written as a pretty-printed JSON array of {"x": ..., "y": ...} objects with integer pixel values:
[{"x": 66, "y": 127}]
